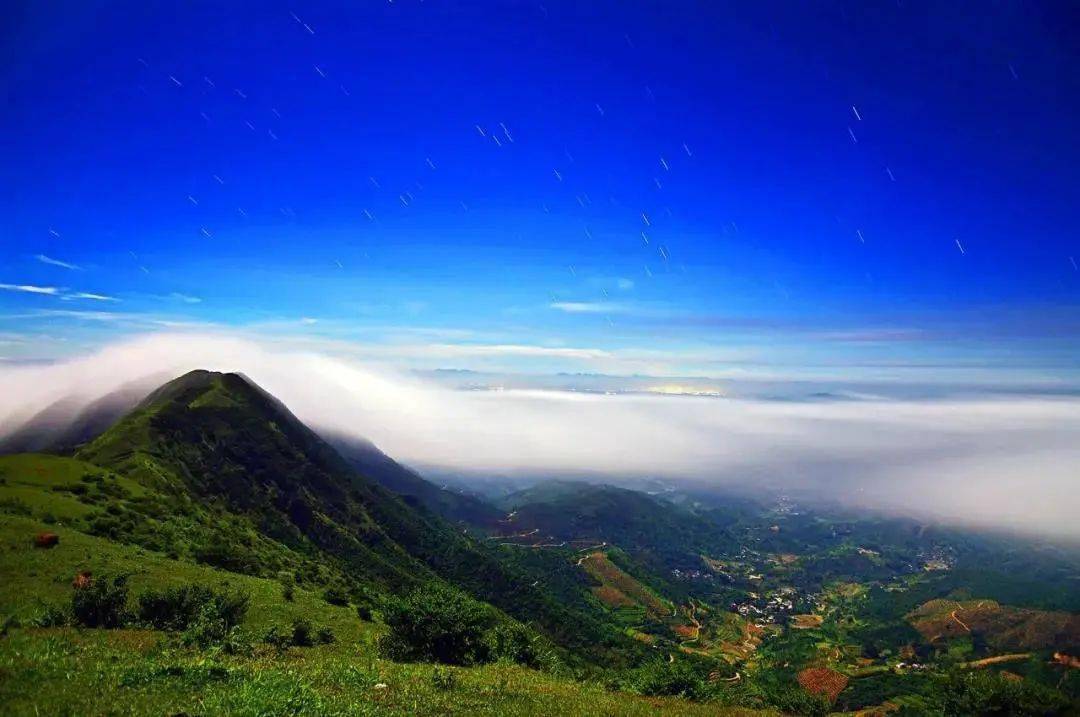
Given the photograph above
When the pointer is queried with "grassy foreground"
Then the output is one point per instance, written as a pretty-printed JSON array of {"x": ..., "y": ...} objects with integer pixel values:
[{"x": 86, "y": 672}]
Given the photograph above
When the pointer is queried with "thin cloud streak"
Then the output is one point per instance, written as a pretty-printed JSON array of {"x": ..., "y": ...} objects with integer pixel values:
[
  {"x": 56, "y": 262},
  {"x": 31, "y": 289}
]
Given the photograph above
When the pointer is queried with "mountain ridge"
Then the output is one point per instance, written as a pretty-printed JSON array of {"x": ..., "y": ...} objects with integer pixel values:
[{"x": 241, "y": 451}]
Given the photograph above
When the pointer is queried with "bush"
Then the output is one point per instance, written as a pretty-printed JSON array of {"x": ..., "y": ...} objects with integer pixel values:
[
  {"x": 178, "y": 608},
  {"x": 443, "y": 680},
  {"x": 53, "y": 616},
  {"x": 514, "y": 642},
  {"x": 436, "y": 623},
  {"x": 663, "y": 678},
  {"x": 796, "y": 700},
  {"x": 10, "y": 623},
  {"x": 299, "y": 634},
  {"x": 281, "y": 639},
  {"x": 102, "y": 603},
  {"x": 14, "y": 506},
  {"x": 988, "y": 693},
  {"x": 209, "y": 629},
  {"x": 227, "y": 556},
  {"x": 336, "y": 595},
  {"x": 363, "y": 611}
]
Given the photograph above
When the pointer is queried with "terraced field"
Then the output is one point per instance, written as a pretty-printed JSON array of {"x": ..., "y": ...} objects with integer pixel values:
[{"x": 1002, "y": 627}]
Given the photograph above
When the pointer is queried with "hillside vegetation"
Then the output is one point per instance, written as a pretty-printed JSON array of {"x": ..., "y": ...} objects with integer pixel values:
[{"x": 70, "y": 670}]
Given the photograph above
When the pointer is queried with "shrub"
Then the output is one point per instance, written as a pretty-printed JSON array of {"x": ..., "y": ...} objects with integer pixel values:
[
  {"x": 209, "y": 629},
  {"x": 514, "y": 642},
  {"x": 299, "y": 634},
  {"x": 363, "y": 611},
  {"x": 443, "y": 680},
  {"x": 227, "y": 556},
  {"x": 10, "y": 623},
  {"x": 436, "y": 623},
  {"x": 988, "y": 693},
  {"x": 205, "y": 630},
  {"x": 178, "y": 608},
  {"x": 53, "y": 616},
  {"x": 102, "y": 603},
  {"x": 798, "y": 701},
  {"x": 336, "y": 595},
  {"x": 14, "y": 506},
  {"x": 278, "y": 638},
  {"x": 663, "y": 678}
]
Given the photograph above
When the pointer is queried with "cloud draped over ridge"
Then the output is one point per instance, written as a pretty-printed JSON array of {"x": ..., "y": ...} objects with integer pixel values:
[{"x": 1002, "y": 461}]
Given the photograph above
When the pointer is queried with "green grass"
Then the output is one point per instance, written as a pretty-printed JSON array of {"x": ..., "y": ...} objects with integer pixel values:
[
  {"x": 33, "y": 578},
  {"x": 40, "y": 482},
  {"x": 65, "y": 671},
  {"x": 60, "y": 671}
]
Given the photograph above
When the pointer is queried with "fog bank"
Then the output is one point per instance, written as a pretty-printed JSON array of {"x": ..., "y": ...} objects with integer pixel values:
[{"x": 1010, "y": 462}]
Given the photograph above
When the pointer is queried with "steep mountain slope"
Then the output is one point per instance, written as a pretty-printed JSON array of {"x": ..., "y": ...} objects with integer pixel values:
[
  {"x": 369, "y": 461},
  {"x": 223, "y": 441},
  {"x": 70, "y": 422}
]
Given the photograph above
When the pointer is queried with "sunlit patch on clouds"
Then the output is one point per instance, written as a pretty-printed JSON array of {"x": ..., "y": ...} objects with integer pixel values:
[{"x": 995, "y": 461}]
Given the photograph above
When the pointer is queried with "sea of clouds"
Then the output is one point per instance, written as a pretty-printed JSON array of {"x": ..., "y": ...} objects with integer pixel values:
[{"x": 1007, "y": 461}]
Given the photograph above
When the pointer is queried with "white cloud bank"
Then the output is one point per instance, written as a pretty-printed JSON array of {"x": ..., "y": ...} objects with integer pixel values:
[{"x": 1011, "y": 462}]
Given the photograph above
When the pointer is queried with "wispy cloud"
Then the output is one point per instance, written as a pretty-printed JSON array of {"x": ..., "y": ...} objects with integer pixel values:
[
  {"x": 86, "y": 315},
  {"x": 56, "y": 262},
  {"x": 185, "y": 298},
  {"x": 590, "y": 307},
  {"x": 57, "y": 291},
  {"x": 452, "y": 350},
  {"x": 31, "y": 289}
]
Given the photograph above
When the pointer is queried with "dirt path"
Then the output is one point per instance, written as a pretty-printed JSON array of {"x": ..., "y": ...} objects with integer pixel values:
[
  {"x": 589, "y": 554},
  {"x": 962, "y": 623},
  {"x": 987, "y": 661}
]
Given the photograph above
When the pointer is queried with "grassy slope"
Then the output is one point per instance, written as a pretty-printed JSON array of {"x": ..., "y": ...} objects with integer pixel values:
[
  {"x": 74, "y": 671},
  {"x": 223, "y": 440}
]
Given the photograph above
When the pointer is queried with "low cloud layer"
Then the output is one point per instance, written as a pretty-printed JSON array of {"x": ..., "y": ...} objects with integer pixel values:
[{"x": 1012, "y": 462}]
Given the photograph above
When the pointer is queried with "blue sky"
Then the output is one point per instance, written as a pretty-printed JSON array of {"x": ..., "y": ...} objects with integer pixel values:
[{"x": 825, "y": 188}]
